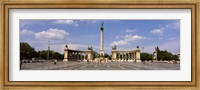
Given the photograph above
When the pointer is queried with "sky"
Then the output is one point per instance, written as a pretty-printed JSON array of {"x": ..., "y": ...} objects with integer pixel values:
[{"x": 79, "y": 34}]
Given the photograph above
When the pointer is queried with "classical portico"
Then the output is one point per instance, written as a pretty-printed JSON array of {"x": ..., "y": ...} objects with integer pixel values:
[
  {"x": 130, "y": 56},
  {"x": 75, "y": 55}
]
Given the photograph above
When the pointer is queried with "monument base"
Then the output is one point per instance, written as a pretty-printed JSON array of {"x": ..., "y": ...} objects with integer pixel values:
[
  {"x": 155, "y": 60},
  {"x": 65, "y": 59},
  {"x": 130, "y": 61},
  {"x": 138, "y": 60}
]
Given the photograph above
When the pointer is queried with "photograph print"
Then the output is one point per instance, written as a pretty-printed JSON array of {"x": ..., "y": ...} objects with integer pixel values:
[{"x": 99, "y": 44}]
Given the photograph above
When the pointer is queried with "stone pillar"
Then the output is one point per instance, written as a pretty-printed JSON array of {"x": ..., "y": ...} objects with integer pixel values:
[
  {"x": 65, "y": 54},
  {"x": 138, "y": 56},
  {"x": 81, "y": 55},
  {"x": 78, "y": 56},
  {"x": 125, "y": 56},
  {"x": 69, "y": 55},
  {"x": 114, "y": 55},
  {"x": 102, "y": 41},
  {"x": 90, "y": 56},
  {"x": 129, "y": 57},
  {"x": 122, "y": 56},
  {"x": 84, "y": 55},
  {"x": 134, "y": 56},
  {"x": 73, "y": 56}
]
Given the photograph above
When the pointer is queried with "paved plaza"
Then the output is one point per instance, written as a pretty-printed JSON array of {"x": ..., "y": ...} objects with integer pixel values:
[{"x": 99, "y": 66}]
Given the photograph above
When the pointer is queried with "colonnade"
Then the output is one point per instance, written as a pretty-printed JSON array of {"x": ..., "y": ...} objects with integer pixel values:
[
  {"x": 131, "y": 55},
  {"x": 75, "y": 55}
]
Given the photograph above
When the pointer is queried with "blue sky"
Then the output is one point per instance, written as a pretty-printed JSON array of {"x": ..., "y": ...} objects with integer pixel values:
[{"x": 79, "y": 34}]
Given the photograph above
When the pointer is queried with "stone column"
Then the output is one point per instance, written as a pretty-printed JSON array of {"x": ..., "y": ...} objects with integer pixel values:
[
  {"x": 84, "y": 54},
  {"x": 69, "y": 55},
  {"x": 133, "y": 56},
  {"x": 90, "y": 56},
  {"x": 78, "y": 54},
  {"x": 102, "y": 41},
  {"x": 138, "y": 56},
  {"x": 81, "y": 55},
  {"x": 114, "y": 55},
  {"x": 65, "y": 54},
  {"x": 125, "y": 56},
  {"x": 122, "y": 56},
  {"x": 129, "y": 58},
  {"x": 72, "y": 55}
]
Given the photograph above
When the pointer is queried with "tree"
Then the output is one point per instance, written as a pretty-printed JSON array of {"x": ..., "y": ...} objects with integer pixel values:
[
  {"x": 57, "y": 56},
  {"x": 95, "y": 55},
  {"x": 26, "y": 51},
  {"x": 106, "y": 55},
  {"x": 146, "y": 56},
  {"x": 165, "y": 55},
  {"x": 52, "y": 55}
]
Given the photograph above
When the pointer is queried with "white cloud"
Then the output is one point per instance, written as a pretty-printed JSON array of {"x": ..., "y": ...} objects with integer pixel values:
[
  {"x": 133, "y": 37},
  {"x": 130, "y": 30},
  {"x": 64, "y": 21},
  {"x": 26, "y": 32},
  {"x": 171, "y": 38},
  {"x": 119, "y": 36},
  {"x": 157, "y": 31},
  {"x": 68, "y": 22},
  {"x": 26, "y": 23},
  {"x": 127, "y": 39},
  {"x": 160, "y": 38},
  {"x": 175, "y": 25},
  {"x": 77, "y": 46},
  {"x": 94, "y": 21},
  {"x": 160, "y": 31},
  {"x": 119, "y": 43},
  {"x": 76, "y": 25},
  {"x": 52, "y": 34}
]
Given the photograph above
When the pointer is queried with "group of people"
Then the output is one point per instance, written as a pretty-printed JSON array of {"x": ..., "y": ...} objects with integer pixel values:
[{"x": 149, "y": 62}]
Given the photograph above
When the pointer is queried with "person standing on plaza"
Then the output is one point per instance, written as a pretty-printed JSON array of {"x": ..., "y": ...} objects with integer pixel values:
[{"x": 55, "y": 61}]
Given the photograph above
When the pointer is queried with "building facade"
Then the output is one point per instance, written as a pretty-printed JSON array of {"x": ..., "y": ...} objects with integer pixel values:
[
  {"x": 129, "y": 55},
  {"x": 75, "y": 55}
]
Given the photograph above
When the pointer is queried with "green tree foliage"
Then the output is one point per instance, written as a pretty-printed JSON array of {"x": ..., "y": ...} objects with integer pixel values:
[
  {"x": 95, "y": 55},
  {"x": 165, "y": 55},
  {"x": 52, "y": 55},
  {"x": 26, "y": 51},
  {"x": 58, "y": 56},
  {"x": 106, "y": 55},
  {"x": 146, "y": 56}
]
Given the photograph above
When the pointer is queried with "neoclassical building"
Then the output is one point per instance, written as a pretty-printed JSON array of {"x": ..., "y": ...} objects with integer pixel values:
[
  {"x": 74, "y": 55},
  {"x": 129, "y": 55}
]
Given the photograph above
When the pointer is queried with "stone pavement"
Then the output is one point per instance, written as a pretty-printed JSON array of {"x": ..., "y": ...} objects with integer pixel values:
[{"x": 99, "y": 66}]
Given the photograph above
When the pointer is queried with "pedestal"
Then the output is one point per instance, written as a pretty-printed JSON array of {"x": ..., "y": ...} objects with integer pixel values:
[
  {"x": 65, "y": 59},
  {"x": 138, "y": 60}
]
